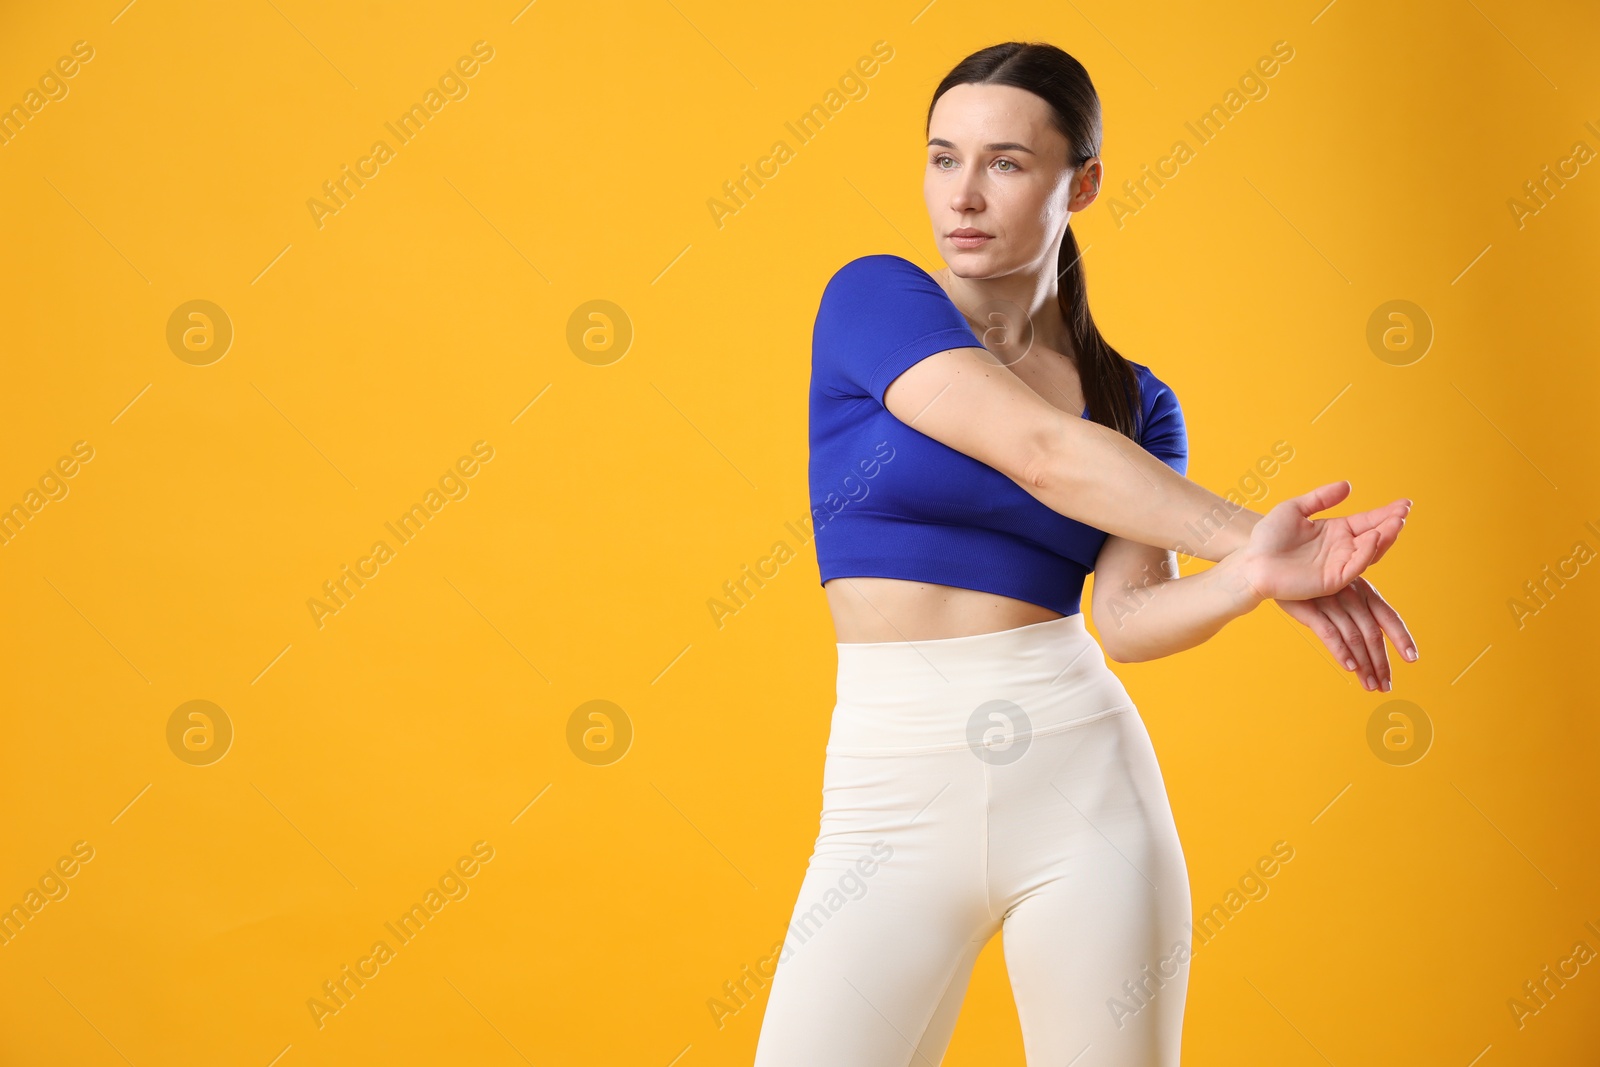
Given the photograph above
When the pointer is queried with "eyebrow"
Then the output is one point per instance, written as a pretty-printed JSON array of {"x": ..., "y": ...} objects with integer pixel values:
[{"x": 1003, "y": 146}]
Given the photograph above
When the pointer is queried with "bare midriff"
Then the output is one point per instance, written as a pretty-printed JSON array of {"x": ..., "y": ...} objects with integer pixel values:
[{"x": 893, "y": 609}]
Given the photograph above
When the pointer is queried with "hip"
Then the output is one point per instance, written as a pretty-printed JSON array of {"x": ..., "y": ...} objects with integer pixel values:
[{"x": 985, "y": 692}]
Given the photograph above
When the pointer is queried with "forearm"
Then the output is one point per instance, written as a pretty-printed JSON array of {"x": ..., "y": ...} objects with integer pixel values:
[
  {"x": 1098, "y": 476},
  {"x": 1159, "y": 615}
]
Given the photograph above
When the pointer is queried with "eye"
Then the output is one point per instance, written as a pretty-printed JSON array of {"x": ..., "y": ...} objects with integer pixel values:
[
  {"x": 1008, "y": 162},
  {"x": 940, "y": 159}
]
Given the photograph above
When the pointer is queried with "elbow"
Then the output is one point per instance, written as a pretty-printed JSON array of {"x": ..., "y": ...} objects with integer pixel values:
[
  {"x": 1114, "y": 652},
  {"x": 1046, "y": 466},
  {"x": 1114, "y": 642},
  {"x": 1108, "y": 641}
]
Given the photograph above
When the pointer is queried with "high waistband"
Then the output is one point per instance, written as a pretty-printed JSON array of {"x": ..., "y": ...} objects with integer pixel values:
[{"x": 984, "y": 691}]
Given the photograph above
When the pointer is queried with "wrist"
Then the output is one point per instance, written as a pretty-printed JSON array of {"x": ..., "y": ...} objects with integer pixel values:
[
  {"x": 1233, "y": 578},
  {"x": 1221, "y": 539},
  {"x": 1237, "y": 532}
]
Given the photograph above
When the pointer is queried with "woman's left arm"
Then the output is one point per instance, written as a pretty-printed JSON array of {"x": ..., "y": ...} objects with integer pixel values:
[{"x": 1143, "y": 611}]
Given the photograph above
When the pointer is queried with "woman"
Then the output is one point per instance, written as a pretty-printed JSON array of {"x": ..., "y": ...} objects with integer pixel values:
[{"x": 977, "y": 449}]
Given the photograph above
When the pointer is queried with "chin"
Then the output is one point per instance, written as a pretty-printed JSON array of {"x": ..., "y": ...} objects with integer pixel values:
[{"x": 956, "y": 254}]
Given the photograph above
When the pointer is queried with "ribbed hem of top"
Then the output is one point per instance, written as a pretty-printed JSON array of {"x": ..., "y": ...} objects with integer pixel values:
[{"x": 964, "y": 556}]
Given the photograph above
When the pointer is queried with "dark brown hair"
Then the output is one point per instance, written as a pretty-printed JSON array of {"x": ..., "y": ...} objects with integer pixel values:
[{"x": 1060, "y": 81}]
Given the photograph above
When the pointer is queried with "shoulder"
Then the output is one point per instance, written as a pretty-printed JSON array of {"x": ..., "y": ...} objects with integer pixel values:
[
  {"x": 1156, "y": 395},
  {"x": 875, "y": 272},
  {"x": 1163, "y": 433},
  {"x": 877, "y": 263},
  {"x": 881, "y": 291}
]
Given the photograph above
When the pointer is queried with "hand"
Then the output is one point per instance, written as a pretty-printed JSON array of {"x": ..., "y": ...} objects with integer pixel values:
[
  {"x": 1352, "y": 623},
  {"x": 1291, "y": 556}
]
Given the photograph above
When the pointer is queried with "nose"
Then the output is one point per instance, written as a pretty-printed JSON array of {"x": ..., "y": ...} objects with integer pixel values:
[{"x": 966, "y": 195}]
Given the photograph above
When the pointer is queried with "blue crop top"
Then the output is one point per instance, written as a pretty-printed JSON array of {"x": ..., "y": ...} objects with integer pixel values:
[{"x": 889, "y": 501}]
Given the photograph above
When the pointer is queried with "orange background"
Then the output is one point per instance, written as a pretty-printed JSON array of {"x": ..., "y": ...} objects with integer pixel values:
[{"x": 634, "y": 471}]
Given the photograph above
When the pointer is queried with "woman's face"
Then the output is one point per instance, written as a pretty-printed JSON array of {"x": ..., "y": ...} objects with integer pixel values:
[{"x": 998, "y": 165}]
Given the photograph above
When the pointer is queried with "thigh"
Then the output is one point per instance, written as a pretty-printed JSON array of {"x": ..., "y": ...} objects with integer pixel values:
[
  {"x": 1096, "y": 933},
  {"x": 889, "y": 919}
]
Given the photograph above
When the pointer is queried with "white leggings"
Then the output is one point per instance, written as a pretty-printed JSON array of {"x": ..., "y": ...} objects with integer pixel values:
[{"x": 1003, "y": 781}]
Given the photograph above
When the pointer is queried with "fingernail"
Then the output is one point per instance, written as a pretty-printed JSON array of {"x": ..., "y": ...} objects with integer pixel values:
[
  {"x": 1411, "y": 654},
  {"x": 1349, "y": 664},
  {"x": 1388, "y": 684},
  {"x": 1372, "y": 683}
]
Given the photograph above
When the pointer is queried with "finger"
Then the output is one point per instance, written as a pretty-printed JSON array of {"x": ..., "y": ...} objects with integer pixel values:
[
  {"x": 1388, "y": 534},
  {"x": 1311, "y": 615},
  {"x": 1333, "y": 637},
  {"x": 1365, "y": 671},
  {"x": 1362, "y": 521},
  {"x": 1391, "y": 534},
  {"x": 1321, "y": 498},
  {"x": 1368, "y": 548},
  {"x": 1390, "y": 621},
  {"x": 1362, "y": 551},
  {"x": 1352, "y": 597}
]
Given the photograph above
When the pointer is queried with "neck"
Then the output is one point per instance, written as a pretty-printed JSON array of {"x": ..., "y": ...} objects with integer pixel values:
[{"x": 1012, "y": 311}]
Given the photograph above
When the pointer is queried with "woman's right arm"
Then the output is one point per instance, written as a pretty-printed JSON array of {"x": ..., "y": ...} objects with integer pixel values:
[{"x": 967, "y": 399}]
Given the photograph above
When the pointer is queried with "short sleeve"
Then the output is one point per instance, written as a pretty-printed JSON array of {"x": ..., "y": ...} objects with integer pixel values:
[
  {"x": 878, "y": 316},
  {"x": 1165, "y": 435}
]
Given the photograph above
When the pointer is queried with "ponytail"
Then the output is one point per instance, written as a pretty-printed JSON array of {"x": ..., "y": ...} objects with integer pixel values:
[
  {"x": 1110, "y": 385},
  {"x": 1108, "y": 380}
]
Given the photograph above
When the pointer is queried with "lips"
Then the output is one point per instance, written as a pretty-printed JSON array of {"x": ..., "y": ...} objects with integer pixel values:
[{"x": 968, "y": 231}]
